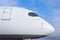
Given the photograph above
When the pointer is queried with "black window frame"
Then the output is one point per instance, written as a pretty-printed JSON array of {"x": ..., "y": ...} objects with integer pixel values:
[{"x": 32, "y": 14}]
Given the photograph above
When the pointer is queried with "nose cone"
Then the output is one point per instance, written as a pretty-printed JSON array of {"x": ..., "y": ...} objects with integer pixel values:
[
  {"x": 50, "y": 29},
  {"x": 47, "y": 27}
]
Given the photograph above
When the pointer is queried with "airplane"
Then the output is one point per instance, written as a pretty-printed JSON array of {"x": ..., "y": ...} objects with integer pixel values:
[{"x": 21, "y": 24}]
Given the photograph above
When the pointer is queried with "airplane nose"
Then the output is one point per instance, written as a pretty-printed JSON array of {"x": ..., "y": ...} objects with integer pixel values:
[
  {"x": 45, "y": 27},
  {"x": 51, "y": 30}
]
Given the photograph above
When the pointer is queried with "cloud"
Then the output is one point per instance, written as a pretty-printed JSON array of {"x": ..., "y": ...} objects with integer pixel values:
[
  {"x": 9, "y": 2},
  {"x": 50, "y": 4},
  {"x": 43, "y": 39}
]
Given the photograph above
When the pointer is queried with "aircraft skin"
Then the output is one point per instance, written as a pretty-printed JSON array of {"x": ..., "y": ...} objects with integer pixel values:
[{"x": 22, "y": 23}]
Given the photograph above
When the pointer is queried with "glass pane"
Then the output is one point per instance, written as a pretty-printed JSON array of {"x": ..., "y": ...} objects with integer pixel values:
[{"x": 32, "y": 14}]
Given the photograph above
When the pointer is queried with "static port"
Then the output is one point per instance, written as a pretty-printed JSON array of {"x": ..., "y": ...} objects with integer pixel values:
[{"x": 41, "y": 24}]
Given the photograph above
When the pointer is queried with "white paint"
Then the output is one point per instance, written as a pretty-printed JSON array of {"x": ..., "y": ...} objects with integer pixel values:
[
  {"x": 6, "y": 13},
  {"x": 22, "y": 23}
]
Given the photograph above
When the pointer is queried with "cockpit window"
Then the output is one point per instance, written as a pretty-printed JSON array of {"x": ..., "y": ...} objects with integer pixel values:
[{"x": 32, "y": 14}]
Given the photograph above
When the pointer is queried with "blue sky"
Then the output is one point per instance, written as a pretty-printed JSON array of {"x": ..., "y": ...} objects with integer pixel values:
[{"x": 47, "y": 9}]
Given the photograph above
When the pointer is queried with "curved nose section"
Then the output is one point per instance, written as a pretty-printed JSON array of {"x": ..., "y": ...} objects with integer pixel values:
[
  {"x": 47, "y": 28},
  {"x": 50, "y": 29}
]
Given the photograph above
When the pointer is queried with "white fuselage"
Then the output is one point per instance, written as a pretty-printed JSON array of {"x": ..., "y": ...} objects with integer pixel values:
[{"x": 16, "y": 21}]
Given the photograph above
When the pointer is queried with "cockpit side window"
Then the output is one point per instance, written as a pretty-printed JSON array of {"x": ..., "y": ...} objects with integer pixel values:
[{"x": 32, "y": 14}]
